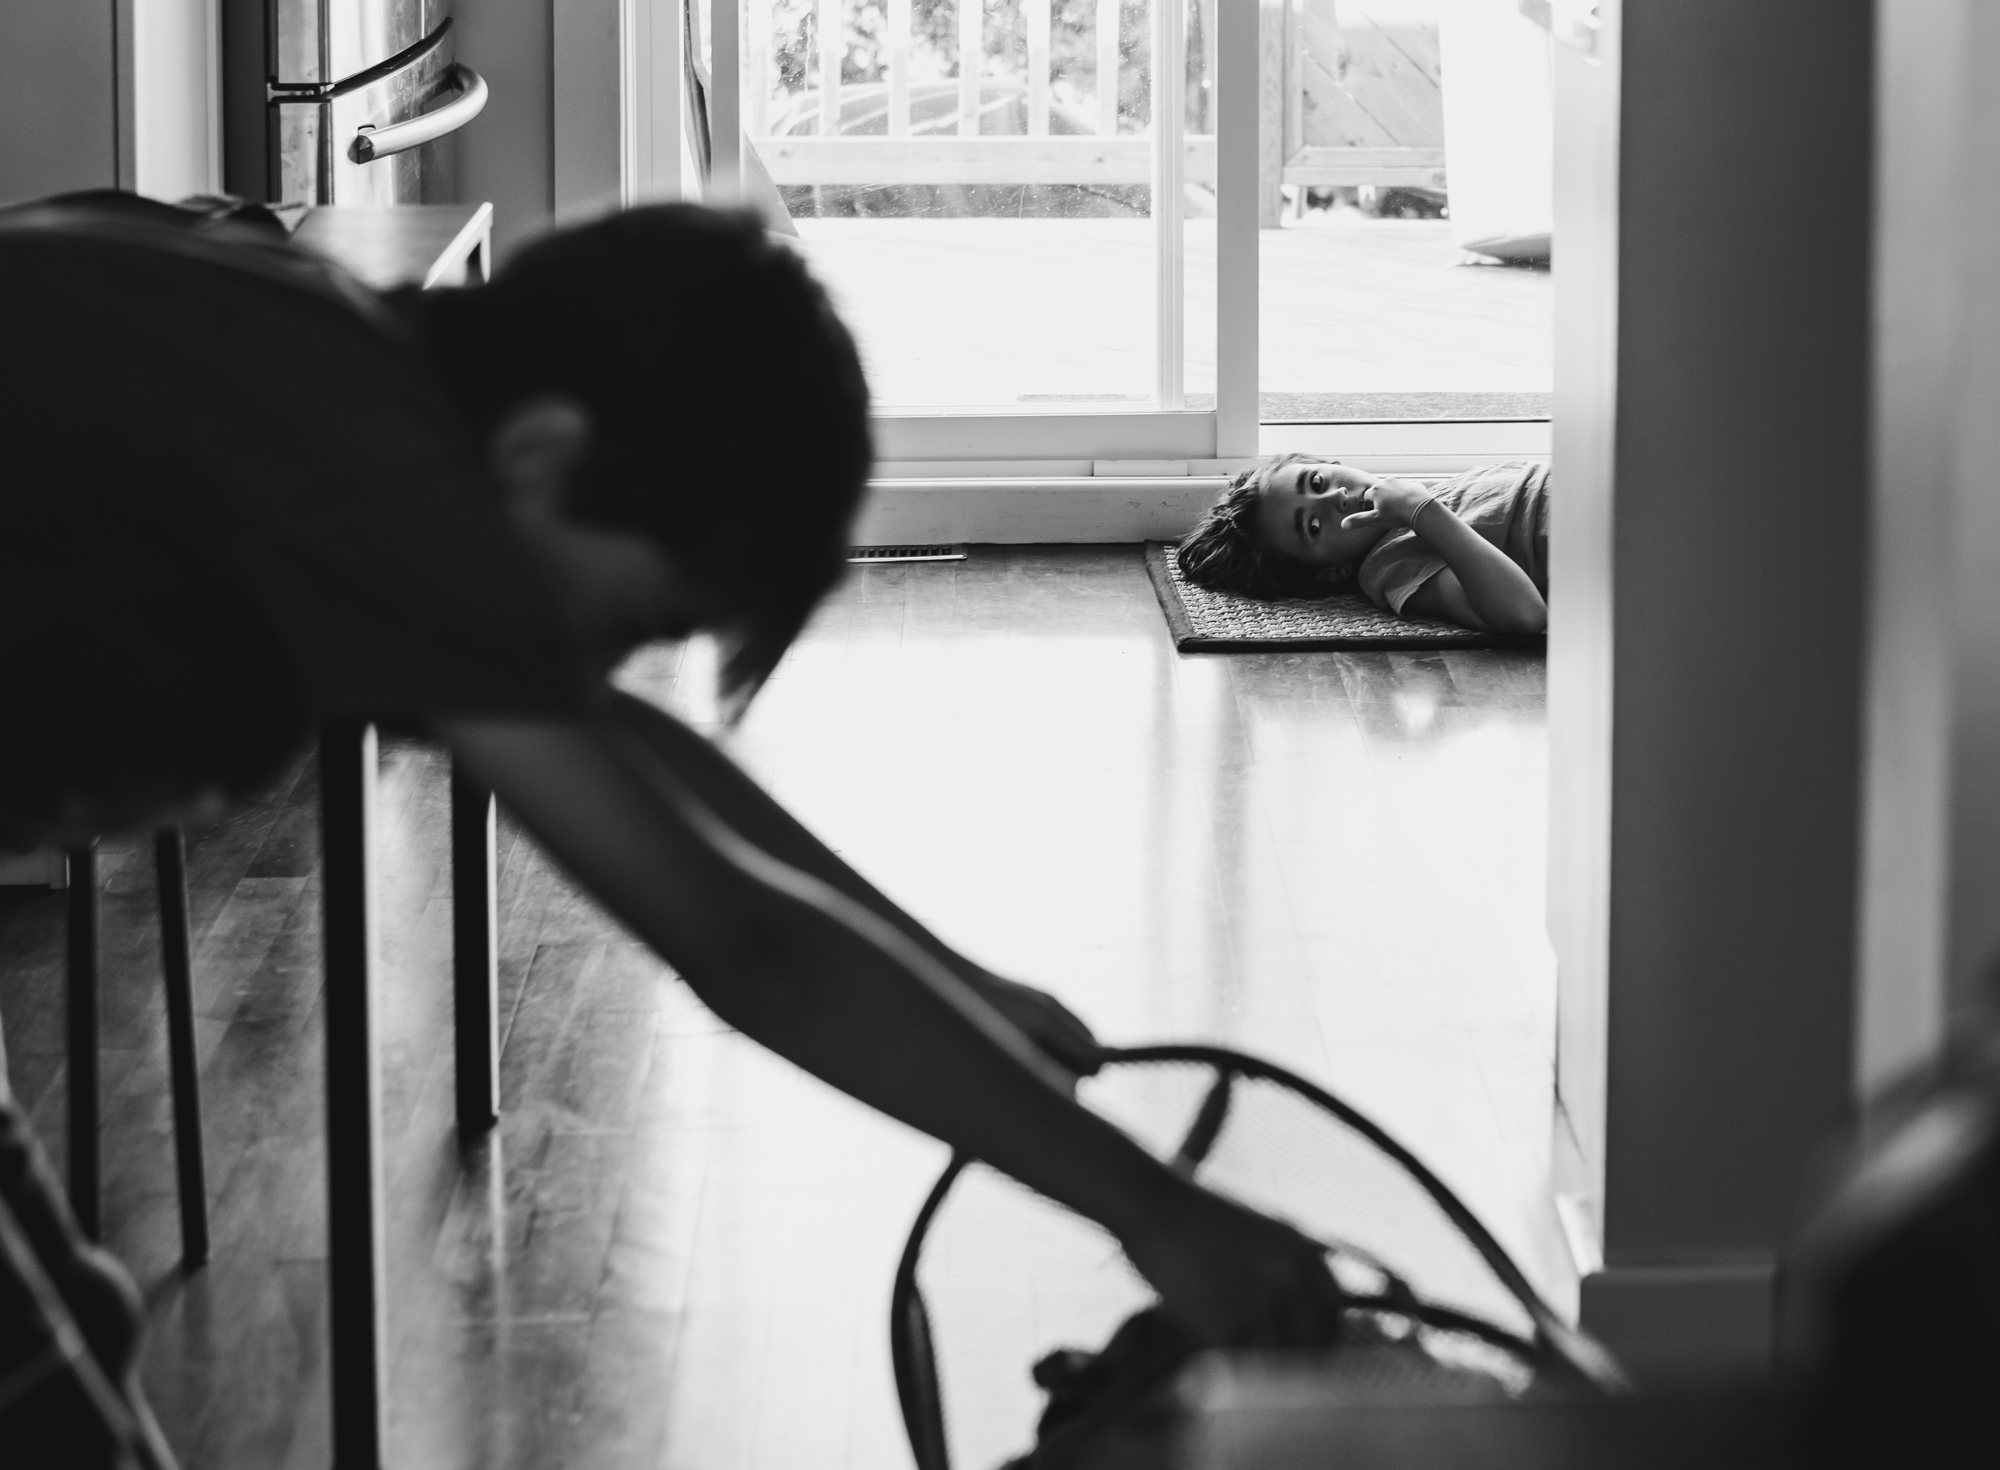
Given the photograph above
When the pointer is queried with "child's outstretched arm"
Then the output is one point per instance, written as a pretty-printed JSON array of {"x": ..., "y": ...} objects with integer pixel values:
[
  {"x": 809, "y": 970},
  {"x": 1481, "y": 586}
]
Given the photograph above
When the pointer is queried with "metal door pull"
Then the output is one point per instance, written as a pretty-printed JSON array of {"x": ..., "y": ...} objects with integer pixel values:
[
  {"x": 371, "y": 143},
  {"x": 276, "y": 92}
]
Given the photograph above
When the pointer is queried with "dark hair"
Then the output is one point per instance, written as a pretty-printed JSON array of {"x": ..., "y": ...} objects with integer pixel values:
[
  {"x": 690, "y": 336},
  {"x": 1222, "y": 552}
]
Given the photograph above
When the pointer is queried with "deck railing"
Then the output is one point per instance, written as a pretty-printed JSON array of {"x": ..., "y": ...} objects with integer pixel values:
[{"x": 894, "y": 131}]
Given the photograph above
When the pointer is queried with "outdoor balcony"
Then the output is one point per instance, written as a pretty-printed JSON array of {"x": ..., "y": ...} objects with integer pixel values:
[{"x": 977, "y": 186}]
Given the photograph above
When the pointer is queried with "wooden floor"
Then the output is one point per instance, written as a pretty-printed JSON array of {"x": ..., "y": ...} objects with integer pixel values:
[{"x": 676, "y": 1251}]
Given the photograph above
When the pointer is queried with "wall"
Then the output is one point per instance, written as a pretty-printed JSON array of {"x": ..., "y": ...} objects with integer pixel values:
[
  {"x": 653, "y": 152},
  {"x": 587, "y": 77},
  {"x": 507, "y": 156},
  {"x": 1929, "y": 928},
  {"x": 1742, "y": 508},
  {"x": 1719, "y": 801},
  {"x": 1919, "y": 350},
  {"x": 1586, "y": 94},
  {"x": 1973, "y": 347},
  {"x": 100, "y": 94},
  {"x": 176, "y": 97},
  {"x": 555, "y": 144},
  {"x": 59, "y": 107}
]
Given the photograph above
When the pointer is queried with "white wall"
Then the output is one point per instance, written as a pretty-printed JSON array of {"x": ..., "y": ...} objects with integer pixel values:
[
  {"x": 617, "y": 104},
  {"x": 507, "y": 156},
  {"x": 176, "y": 97},
  {"x": 1921, "y": 154},
  {"x": 589, "y": 78},
  {"x": 1974, "y": 534},
  {"x": 58, "y": 97},
  {"x": 99, "y": 94},
  {"x": 1580, "y": 672},
  {"x": 651, "y": 145},
  {"x": 1930, "y": 924},
  {"x": 585, "y": 111},
  {"x": 1706, "y": 655}
]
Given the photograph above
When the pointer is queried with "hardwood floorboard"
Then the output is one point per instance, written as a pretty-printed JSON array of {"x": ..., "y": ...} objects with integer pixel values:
[
  {"x": 675, "y": 1249},
  {"x": 290, "y": 844}
]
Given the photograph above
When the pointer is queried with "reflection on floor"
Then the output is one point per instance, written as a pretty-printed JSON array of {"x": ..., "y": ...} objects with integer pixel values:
[{"x": 677, "y": 1251}]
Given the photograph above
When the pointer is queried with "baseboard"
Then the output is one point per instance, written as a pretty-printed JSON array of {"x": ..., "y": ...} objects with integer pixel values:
[
  {"x": 1089, "y": 509},
  {"x": 918, "y": 500},
  {"x": 1680, "y": 1320}
]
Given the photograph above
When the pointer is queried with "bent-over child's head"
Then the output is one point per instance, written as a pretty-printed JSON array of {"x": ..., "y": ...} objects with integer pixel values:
[
  {"x": 1278, "y": 530},
  {"x": 728, "y": 412}
]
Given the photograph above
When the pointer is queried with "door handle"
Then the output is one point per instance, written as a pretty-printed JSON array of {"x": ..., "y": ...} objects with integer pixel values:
[
  {"x": 277, "y": 92},
  {"x": 371, "y": 143}
]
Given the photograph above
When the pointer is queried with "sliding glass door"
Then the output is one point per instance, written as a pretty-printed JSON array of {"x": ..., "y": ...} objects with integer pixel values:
[
  {"x": 1013, "y": 202},
  {"x": 1406, "y": 211},
  {"x": 1079, "y": 230}
]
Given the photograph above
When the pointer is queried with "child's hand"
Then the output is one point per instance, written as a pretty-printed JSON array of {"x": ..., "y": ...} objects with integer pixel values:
[
  {"x": 1233, "y": 1277},
  {"x": 1047, "y": 1022},
  {"x": 1393, "y": 501}
]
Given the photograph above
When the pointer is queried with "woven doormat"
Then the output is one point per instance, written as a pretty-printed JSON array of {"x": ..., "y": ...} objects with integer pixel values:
[{"x": 1205, "y": 621}]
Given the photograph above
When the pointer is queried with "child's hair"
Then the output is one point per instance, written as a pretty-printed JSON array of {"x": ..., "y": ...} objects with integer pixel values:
[
  {"x": 1222, "y": 552},
  {"x": 694, "y": 341}
]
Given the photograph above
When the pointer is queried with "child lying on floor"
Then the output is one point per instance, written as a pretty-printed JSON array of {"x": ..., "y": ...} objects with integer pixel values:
[{"x": 1473, "y": 551}]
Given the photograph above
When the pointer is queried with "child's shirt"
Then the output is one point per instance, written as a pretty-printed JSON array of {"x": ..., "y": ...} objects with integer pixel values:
[
  {"x": 1508, "y": 504},
  {"x": 238, "y": 500}
]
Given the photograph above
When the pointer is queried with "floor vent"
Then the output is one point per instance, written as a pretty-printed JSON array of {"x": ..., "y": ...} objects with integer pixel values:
[{"x": 905, "y": 553}]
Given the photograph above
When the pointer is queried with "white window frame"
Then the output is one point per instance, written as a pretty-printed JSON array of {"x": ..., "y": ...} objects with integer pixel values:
[
  {"x": 1001, "y": 476},
  {"x": 652, "y": 168}
]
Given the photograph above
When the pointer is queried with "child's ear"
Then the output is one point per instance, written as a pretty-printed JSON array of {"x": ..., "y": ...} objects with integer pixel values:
[{"x": 536, "y": 451}]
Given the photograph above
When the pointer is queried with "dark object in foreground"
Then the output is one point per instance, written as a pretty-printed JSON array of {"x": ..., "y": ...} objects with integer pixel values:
[
  {"x": 1889, "y": 1346},
  {"x": 1114, "y": 1407},
  {"x": 1890, "y": 1314},
  {"x": 1247, "y": 1414},
  {"x": 177, "y": 964},
  {"x": 1435, "y": 1305},
  {"x": 69, "y": 1329},
  {"x": 1889, "y": 1337},
  {"x": 1205, "y": 621}
]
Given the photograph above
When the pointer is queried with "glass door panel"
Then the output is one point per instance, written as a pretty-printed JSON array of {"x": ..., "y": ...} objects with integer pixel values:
[
  {"x": 1406, "y": 215},
  {"x": 1197, "y": 233},
  {"x": 982, "y": 187}
]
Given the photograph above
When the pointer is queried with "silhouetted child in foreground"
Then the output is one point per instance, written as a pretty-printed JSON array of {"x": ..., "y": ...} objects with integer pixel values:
[
  {"x": 246, "y": 496},
  {"x": 1473, "y": 551}
]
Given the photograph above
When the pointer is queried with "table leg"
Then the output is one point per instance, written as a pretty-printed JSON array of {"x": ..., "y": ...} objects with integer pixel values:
[
  {"x": 353, "y": 1097},
  {"x": 177, "y": 958},
  {"x": 475, "y": 955},
  {"x": 85, "y": 1188}
]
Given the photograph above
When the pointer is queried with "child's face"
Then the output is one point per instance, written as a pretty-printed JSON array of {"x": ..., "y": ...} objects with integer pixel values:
[{"x": 1300, "y": 509}]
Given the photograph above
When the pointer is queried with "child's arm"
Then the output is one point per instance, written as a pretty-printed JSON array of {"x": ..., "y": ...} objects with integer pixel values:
[
  {"x": 1481, "y": 586},
  {"x": 795, "y": 962}
]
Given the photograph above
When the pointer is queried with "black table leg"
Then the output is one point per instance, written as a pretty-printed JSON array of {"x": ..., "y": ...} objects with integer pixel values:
[
  {"x": 177, "y": 959},
  {"x": 347, "y": 774},
  {"x": 475, "y": 955},
  {"x": 84, "y": 1171}
]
